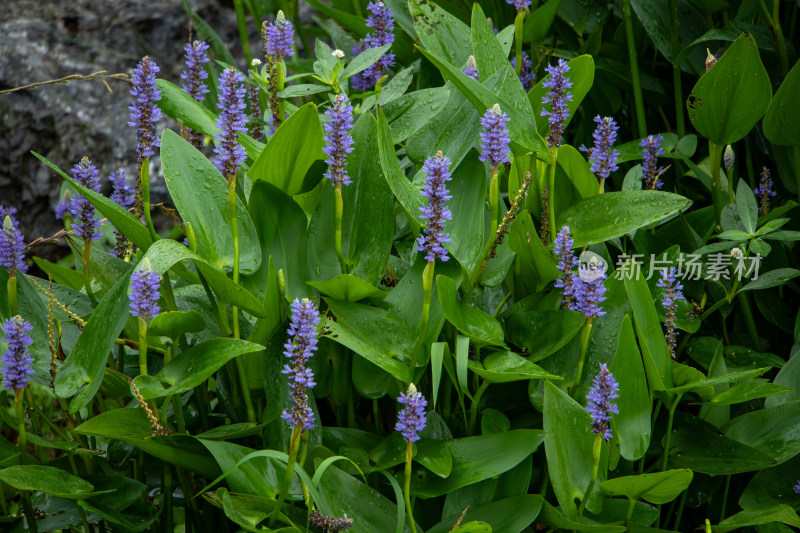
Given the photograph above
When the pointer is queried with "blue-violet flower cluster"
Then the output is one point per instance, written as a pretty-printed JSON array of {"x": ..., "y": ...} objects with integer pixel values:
[
  {"x": 17, "y": 363},
  {"x": 338, "y": 141},
  {"x": 471, "y": 69},
  {"x": 494, "y": 137},
  {"x": 303, "y": 330},
  {"x": 194, "y": 76},
  {"x": 604, "y": 389},
  {"x": 602, "y": 157},
  {"x": 231, "y": 122},
  {"x": 433, "y": 238},
  {"x": 124, "y": 196},
  {"x": 588, "y": 289},
  {"x": 650, "y": 169},
  {"x": 411, "y": 418},
  {"x": 519, "y": 4},
  {"x": 672, "y": 293},
  {"x": 764, "y": 191},
  {"x": 86, "y": 221},
  {"x": 144, "y": 291},
  {"x": 144, "y": 112},
  {"x": 279, "y": 38},
  {"x": 12, "y": 242},
  {"x": 382, "y": 23},
  {"x": 557, "y": 98},
  {"x": 566, "y": 263},
  {"x": 526, "y": 73}
]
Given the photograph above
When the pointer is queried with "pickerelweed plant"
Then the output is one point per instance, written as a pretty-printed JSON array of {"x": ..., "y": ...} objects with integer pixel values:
[{"x": 406, "y": 301}]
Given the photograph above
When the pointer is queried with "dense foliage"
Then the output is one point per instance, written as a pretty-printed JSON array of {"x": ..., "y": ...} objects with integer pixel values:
[{"x": 401, "y": 295}]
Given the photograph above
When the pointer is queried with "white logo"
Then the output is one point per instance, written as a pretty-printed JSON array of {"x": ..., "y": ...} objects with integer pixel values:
[{"x": 591, "y": 267}]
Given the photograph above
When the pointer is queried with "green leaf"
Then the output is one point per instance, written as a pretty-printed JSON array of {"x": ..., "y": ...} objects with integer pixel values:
[
  {"x": 504, "y": 367},
  {"x": 352, "y": 22},
  {"x": 396, "y": 87},
  {"x": 730, "y": 98},
  {"x": 656, "y": 356},
  {"x": 478, "y": 458},
  {"x": 753, "y": 517},
  {"x": 773, "y": 278},
  {"x": 780, "y": 124},
  {"x": 302, "y": 89},
  {"x": 568, "y": 447},
  {"x": 632, "y": 424},
  {"x": 537, "y": 265},
  {"x": 482, "y": 328},
  {"x": 489, "y": 55},
  {"x": 752, "y": 390},
  {"x": 507, "y": 515},
  {"x": 176, "y": 103},
  {"x": 772, "y": 485},
  {"x": 614, "y": 214},
  {"x": 82, "y": 372},
  {"x": 551, "y": 517},
  {"x": 173, "y": 324},
  {"x": 119, "y": 217},
  {"x": 658, "y": 488},
  {"x": 747, "y": 207},
  {"x": 788, "y": 376},
  {"x": 364, "y": 60},
  {"x": 282, "y": 226},
  {"x": 538, "y": 24},
  {"x": 698, "y": 445},
  {"x": 466, "y": 228},
  {"x": 200, "y": 194},
  {"x": 405, "y": 192},
  {"x": 412, "y": 111},
  {"x": 290, "y": 152},
  {"x": 192, "y": 367},
  {"x": 441, "y": 32},
  {"x": 375, "y": 334},
  {"x": 704, "y": 382},
  {"x": 543, "y": 333},
  {"x": 48, "y": 480},
  {"x": 774, "y": 431},
  {"x": 348, "y": 287}
]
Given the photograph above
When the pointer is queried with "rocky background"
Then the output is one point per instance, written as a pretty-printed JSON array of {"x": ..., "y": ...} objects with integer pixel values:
[{"x": 50, "y": 39}]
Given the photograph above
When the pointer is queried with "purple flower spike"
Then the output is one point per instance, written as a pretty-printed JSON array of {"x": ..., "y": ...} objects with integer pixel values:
[
  {"x": 338, "y": 141},
  {"x": 433, "y": 239},
  {"x": 566, "y": 263},
  {"x": 797, "y": 487},
  {"x": 144, "y": 112},
  {"x": 602, "y": 157},
  {"x": 494, "y": 137},
  {"x": 650, "y": 169},
  {"x": 12, "y": 243},
  {"x": 194, "y": 74},
  {"x": 519, "y": 4},
  {"x": 471, "y": 69},
  {"x": 604, "y": 389},
  {"x": 672, "y": 293},
  {"x": 557, "y": 99},
  {"x": 279, "y": 42},
  {"x": 526, "y": 74},
  {"x": 86, "y": 221},
  {"x": 382, "y": 23},
  {"x": 411, "y": 419},
  {"x": 588, "y": 291},
  {"x": 17, "y": 363},
  {"x": 122, "y": 192},
  {"x": 303, "y": 330},
  {"x": 144, "y": 291},
  {"x": 764, "y": 192},
  {"x": 231, "y": 122}
]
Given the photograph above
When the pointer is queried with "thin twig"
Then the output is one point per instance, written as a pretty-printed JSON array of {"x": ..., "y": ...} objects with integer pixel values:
[{"x": 99, "y": 75}]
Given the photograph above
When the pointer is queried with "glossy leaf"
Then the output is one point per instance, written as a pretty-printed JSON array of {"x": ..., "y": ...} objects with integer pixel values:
[
  {"x": 503, "y": 367},
  {"x": 173, "y": 324},
  {"x": 658, "y": 488},
  {"x": 655, "y": 354},
  {"x": 753, "y": 517},
  {"x": 779, "y": 126},
  {"x": 479, "y": 326},
  {"x": 774, "y": 431},
  {"x": 542, "y": 333},
  {"x": 48, "y": 480}
]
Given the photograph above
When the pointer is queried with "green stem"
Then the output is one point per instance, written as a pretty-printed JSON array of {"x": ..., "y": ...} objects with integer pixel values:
[
  {"x": 427, "y": 288},
  {"x": 747, "y": 312},
  {"x": 241, "y": 23},
  {"x": 494, "y": 200},
  {"x": 597, "y": 447},
  {"x": 476, "y": 401},
  {"x": 587, "y": 329},
  {"x": 145, "y": 177},
  {"x": 518, "y": 38},
  {"x": 287, "y": 479},
  {"x": 12, "y": 293},
  {"x": 337, "y": 231},
  {"x": 714, "y": 154},
  {"x": 407, "y": 491},
  {"x": 142, "y": 346},
  {"x": 629, "y": 514},
  {"x": 168, "y": 504},
  {"x": 668, "y": 436},
  {"x": 281, "y": 75},
  {"x": 679, "y": 512},
  {"x": 551, "y": 192},
  {"x": 87, "y": 277},
  {"x": 676, "y": 69},
  {"x": 634, "y": 61},
  {"x": 724, "y": 502},
  {"x": 357, "y": 8},
  {"x": 774, "y": 23}
]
